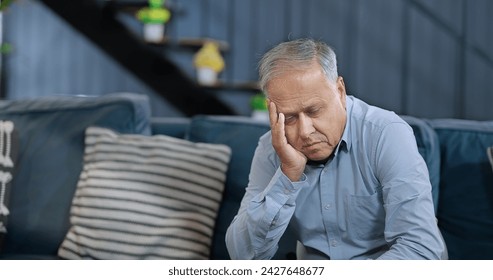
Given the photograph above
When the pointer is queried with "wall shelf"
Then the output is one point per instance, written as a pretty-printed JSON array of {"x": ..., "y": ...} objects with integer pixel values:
[
  {"x": 193, "y": 43},
  {"x": 237, "y": 86},
  {"x": 188, "y": 45}
]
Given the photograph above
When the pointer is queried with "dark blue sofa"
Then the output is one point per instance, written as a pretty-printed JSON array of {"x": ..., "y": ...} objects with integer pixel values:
[{"x": 49, "y": 160}]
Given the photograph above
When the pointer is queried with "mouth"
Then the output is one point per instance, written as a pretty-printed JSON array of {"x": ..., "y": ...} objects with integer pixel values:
[{"x": 310, "y": 145}]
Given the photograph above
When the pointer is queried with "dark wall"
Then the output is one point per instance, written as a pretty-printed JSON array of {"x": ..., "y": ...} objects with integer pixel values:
[
  {"x": 50, "y": 57},
  {"x": 427, "y": 58}
]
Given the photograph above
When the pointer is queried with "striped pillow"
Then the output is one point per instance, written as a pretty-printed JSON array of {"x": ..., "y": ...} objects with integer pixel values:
[
  {"x": 9, "y": 149},
  {"x": 145, "y": 197}
]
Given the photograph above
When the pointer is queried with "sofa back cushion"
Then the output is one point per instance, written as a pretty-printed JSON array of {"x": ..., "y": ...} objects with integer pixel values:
[
  {"x": 241, "y": 134},
  {"x": 51, "y": 145},
  {"x": 171, "y": 126},
  {"x": 465, "y": 208},
  {"x": 429, "y": 148}
]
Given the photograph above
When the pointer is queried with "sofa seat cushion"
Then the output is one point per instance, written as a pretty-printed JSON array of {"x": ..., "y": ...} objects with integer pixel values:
[
  {"x": 51, "y": 145},
  {"x": 465, "y": 208},
  {"x": 142, "y": 197},
  {"x": 28, "y": 257}
]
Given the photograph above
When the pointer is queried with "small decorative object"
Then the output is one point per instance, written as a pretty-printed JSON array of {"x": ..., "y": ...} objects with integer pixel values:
[
  {"x": 258, "y": 104},
  {"x": 154, "y": 18},
  {"x": 208, "y": 62}
]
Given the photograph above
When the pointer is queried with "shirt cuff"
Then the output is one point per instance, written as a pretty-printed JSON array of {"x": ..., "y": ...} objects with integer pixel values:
[{"x": 283, "y": 190}]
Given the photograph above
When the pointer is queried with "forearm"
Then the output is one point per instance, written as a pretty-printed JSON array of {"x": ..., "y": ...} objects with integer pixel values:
[
  {"x": 262, "y": 220},
  {"x": 413, "y": 234}
]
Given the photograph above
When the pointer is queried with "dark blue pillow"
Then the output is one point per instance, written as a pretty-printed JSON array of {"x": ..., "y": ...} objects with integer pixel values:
[
  {"x": 465, "y": 208},
  {"x": 242, "y": 135},
  {"x": 51, "y": 145}
]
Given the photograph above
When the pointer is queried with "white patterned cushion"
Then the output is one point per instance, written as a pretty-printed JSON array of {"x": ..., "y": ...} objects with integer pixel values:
[
  {"x": 9, "y": 147},
  {"x": 145, "y": 197}
]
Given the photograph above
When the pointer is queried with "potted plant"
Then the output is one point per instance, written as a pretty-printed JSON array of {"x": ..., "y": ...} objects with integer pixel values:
[
  {"x": 5, "y": 48},
  {"x": 258, "y": 104},
  {"x": 208, "y": 62},
  {"x": 154, "y": 17}
]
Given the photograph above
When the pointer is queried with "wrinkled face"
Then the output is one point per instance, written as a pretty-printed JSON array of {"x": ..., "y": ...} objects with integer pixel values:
[{"x": 315, "y": 110}]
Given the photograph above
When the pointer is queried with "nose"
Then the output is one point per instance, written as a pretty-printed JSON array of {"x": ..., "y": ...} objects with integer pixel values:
[{"x": 305, "y": 126}]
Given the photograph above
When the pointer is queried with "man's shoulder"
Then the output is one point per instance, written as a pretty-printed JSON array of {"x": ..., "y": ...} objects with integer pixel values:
[
  {"x": 266, "y": 149},
  {"x": 266, "y": 138},
  {"x": 370, "y": 116},
  {"x": 265, "y": 143}
]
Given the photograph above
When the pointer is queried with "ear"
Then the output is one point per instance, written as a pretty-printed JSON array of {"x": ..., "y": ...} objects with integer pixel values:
[{"x": 341, "y": 89}]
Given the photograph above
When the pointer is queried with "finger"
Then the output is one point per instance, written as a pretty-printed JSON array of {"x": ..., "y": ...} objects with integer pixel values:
[
  {"x": 278, "y": 136},
  {"x": 273, "y": 117},
  {"x": 280, "y": 128}
]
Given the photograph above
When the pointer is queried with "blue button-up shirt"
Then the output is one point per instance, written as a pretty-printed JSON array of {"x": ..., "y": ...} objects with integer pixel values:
[{"x": 372, "y": 199}]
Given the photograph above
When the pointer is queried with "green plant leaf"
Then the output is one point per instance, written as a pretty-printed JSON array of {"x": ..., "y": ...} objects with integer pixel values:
[
  {"x": 259, "y": 102},
  {"x": 6, "y": 48},
  {"x": 5, "y": 4}
]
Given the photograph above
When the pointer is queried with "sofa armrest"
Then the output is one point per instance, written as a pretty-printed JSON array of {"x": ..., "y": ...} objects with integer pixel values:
[
  {"x": 465, "y": 209},
  {"x": 51, "y": 145}
]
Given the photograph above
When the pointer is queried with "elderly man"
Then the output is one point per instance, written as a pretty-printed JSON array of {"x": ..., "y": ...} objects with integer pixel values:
[{"x": 347, "y": 176}]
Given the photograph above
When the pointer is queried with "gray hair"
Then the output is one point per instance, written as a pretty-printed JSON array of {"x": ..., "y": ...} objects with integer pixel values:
[{"x": 297, "y": 54}]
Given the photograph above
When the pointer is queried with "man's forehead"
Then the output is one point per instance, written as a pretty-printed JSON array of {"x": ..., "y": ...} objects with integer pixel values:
[{"x": 297, "y": 107}]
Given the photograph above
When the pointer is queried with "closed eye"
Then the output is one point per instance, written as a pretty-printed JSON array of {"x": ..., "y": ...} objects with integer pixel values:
[
  {"x": 290, "y": 119},
  {"x": 313, "y": 111}
]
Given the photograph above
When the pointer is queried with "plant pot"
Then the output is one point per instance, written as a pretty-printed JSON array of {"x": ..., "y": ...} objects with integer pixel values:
[
  {"x": 206, "y": 76},
  {"x": 154, "y": 32},
  {"x": 260, "y": 115}
]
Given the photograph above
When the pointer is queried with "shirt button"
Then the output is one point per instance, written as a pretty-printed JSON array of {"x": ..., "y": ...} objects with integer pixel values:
[
  {"x": 334, "y": 243},
  {"x": 286, "y": 191},
  {"x": 327, "y": 207}
]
